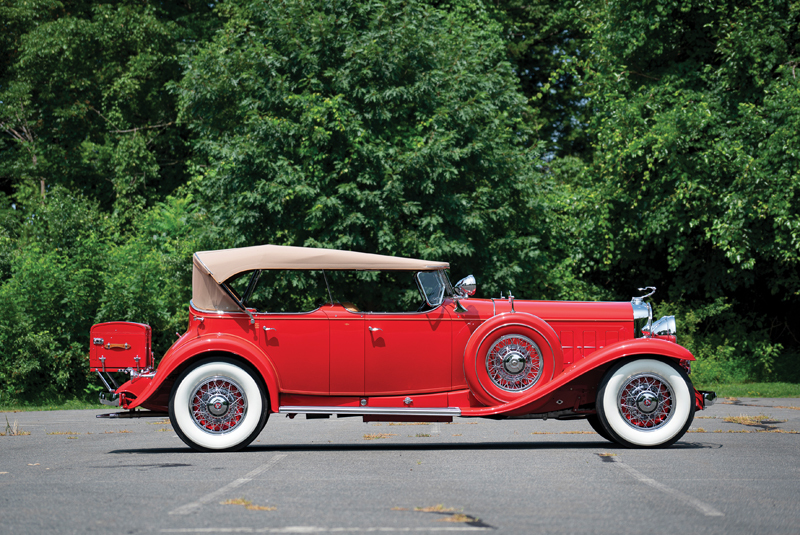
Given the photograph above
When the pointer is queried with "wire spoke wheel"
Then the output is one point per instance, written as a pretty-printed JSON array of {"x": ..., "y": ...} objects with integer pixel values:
[
  {"x": 514, "y": 363},
  {"x": 646, "y": 401},
  {"x": 218, "y": 404}
]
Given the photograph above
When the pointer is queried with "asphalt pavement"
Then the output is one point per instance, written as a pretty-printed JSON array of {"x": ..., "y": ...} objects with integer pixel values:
[{"x": 75, "y": 473}]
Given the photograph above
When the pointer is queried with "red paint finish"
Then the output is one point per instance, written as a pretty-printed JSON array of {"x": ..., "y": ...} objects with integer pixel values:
[
  {"x": 528, "y": 325},
  {"x": 119, "y": 345},
  {"x": 331, "y": 357},
  {"x": 297, "y": 345},
  {"x": 463, "y": 325},
  {"x": 296, "y": 400},
  {"x": 627, "y": 348},
  {"x": 407, "y": 353},
  {"x": 190, "y": 349},
  {"x": 346, "y": 350}
]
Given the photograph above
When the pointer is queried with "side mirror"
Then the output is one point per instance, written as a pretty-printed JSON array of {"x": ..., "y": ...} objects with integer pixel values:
[{"x": 466, "y": 287}]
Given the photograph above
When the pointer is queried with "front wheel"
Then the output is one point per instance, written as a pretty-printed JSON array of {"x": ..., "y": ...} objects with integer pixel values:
[
  {"x": 645, "y": 403},
  {"x": 217, "y": 405}
]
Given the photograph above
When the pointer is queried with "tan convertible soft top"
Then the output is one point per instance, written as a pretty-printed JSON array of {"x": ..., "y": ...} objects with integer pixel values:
[{"x": 212, "y": 268}]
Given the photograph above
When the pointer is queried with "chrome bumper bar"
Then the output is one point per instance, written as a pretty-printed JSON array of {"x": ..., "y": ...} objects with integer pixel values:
[{"x": 708, "y": 398}]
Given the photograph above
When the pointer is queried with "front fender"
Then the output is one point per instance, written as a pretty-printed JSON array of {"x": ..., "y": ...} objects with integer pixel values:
[
  {"x": 206, "y": 345},
  {"x": 616, "y": 351}
]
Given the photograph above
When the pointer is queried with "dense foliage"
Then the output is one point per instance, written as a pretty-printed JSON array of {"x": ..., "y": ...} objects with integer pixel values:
[{"x": 558, "y": 152}]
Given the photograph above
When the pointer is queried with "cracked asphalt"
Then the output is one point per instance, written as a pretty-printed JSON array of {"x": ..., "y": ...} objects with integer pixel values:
[{"x": 736, "y": 471}]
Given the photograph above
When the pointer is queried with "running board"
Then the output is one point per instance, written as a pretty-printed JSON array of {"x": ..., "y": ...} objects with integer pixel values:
[
  {"x": 135, "y": 414},
  {"x": 371, "y": 411}
]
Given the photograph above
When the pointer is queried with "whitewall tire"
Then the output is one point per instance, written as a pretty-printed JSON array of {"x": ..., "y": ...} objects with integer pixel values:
[
  {"x": 645, "y": 403},
  {"x": 218, "y": 405}
]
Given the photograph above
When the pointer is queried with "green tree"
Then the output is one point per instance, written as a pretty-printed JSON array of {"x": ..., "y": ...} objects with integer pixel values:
[
  {"x": 695, "y": 177},
  {"x": 390, "y": 127},
  {"x": 82, "y": 99}
]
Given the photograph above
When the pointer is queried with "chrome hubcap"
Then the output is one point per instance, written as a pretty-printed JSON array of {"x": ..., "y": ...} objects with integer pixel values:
[
  {"x": 646, "y": 401},
  {"x": 514, "y": 363},
  {"x": 218, "y": 405}
]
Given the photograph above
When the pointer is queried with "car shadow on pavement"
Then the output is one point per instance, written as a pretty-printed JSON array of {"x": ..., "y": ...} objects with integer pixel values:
[{"x": 469, "y": 446}]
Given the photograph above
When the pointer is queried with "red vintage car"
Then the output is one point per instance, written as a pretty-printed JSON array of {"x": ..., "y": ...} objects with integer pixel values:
[{"x": 321, "y": 332}]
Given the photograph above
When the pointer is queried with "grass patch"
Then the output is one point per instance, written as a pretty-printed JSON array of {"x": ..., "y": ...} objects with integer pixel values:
[
  {"x": 376, "y": 436},
  {"x": 410, "y": 423},
  {"x": 248, "y": 505},
  {"x": 458, "y": 517},
  {"x": 63, "y": 433},
  {"x": 754, "y": 390},
  {"x": 439, "y": 508},
  {"x": 751, "y": 420},
  {"x": 13, "y": 430}
]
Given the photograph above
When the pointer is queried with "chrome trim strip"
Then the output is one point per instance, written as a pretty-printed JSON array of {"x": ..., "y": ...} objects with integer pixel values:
[
  {"x": 388, "y": 411},
  {"x": 218, "y": 312}
]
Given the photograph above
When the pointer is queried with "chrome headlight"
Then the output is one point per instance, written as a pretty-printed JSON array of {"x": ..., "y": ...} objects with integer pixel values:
[{"x": 664, "y": 327}]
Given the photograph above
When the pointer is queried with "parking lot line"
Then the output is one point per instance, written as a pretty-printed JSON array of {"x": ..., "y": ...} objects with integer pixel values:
[
  {"x": 191, "y": 507},
  {"x": 704, "y": 508}
]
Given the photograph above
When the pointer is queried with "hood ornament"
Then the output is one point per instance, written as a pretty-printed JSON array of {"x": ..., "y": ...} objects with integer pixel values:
[{"x": 639, "y": 300}]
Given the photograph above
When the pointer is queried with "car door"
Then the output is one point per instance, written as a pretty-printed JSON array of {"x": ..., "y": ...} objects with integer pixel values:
[
  {"x": 407, "y": 353},
  {"x": 298, "y": 346}
]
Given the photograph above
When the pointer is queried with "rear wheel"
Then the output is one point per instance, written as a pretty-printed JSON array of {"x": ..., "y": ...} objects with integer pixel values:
[
  {"x": 218, "y": 405},
  {"x": 645, "y": 403}
]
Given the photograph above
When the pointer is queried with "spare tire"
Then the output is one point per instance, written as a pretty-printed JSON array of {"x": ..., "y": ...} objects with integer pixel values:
[{"x": 509, "y": 355}]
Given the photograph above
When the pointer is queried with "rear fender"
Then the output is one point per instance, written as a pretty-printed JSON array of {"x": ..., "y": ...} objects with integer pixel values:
[
  {"x": 619, "y": 350},
  {"x": 208, "y": 345}
]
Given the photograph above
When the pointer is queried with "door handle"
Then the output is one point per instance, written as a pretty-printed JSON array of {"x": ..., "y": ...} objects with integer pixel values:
[
  {"x": 270, "y": 329},
  {"x": 373, "y": 329}
]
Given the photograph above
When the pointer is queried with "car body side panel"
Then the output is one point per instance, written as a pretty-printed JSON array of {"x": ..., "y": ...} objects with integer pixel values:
[
  {"x": 298, "y": 347},
  {"x": 627, "y": 348},
  {"x": 346, "y": 351},
  {"x": 407, "y": 353}
]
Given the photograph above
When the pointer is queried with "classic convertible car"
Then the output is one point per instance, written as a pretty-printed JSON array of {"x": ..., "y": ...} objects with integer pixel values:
[{"x": 320, "y": 332}]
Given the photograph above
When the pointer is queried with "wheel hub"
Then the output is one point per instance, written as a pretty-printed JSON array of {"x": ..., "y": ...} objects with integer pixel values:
[
  {"x": 218, "y": 405},
  {"x": 647, "y": 402},
  {"x": 514, "y": 362}
]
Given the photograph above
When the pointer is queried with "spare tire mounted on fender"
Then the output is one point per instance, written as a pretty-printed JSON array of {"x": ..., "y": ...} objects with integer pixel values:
[{"x": 508, "y": 355}]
